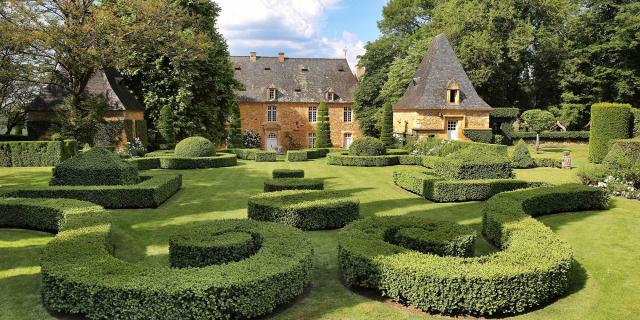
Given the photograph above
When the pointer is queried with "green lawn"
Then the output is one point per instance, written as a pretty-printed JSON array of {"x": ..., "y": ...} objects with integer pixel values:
[{"x": 605, "y": 284}]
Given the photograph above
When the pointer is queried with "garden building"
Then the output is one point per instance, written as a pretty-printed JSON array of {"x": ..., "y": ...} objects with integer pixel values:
[
  {"x": 281, "y": 97},
  {"x": 440, "y": 99}
]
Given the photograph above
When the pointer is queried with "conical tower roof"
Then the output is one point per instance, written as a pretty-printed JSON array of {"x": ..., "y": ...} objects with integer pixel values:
[{"x": 438, "y": 70}]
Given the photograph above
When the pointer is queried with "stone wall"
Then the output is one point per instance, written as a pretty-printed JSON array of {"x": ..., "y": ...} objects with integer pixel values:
[{"x": 433, "y": 122}]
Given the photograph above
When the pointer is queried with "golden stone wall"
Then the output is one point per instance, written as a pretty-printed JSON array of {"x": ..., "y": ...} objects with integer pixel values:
[{"x": 433, "y": 122}]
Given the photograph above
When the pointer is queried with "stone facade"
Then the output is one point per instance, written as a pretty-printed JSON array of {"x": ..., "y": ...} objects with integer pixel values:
[
  {"x": 292, "y": 119},
  {"x": 434, "y": 122}
]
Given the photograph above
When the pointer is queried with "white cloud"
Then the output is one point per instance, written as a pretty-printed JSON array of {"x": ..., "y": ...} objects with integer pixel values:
[{"x": 292, "y": 26}]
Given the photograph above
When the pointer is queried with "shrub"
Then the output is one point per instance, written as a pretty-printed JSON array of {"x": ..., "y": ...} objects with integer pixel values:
[
  {"x": 531, "y": 269},
  {"x": 323, "y": 127},
  {"x": 111, "y": 288},
  {"x": 96, "y": 167},
  {"x": 553, "y": 136},
  {"x": 234, "y": 138},
  {"x": 342, "y": 159},
  {"x": 547, "y": 162},
  {"x": 437, "y": 147},
  {"x": 305, "y": 209},
  {"x": 506, "y": 113},
  {"x": 409, "y": 159},
  {"x": 499, "y": 139},
  {"x": 386, "y": 130},
  {"x": 609, "y": 121},
  {"x": 190, "y": 249},
  {"x": 151, "y": 192},
  {"x": 287, "y": 173},
  {"x": 631, "y": 147},
  {"x": 429, "y": 146},
  {"x": 367, "y": 146},
  {"x": 194, "y": 147},
  {"x": 537, "y": 121},
  {"x": 521, "y": 158},
  {"x": 473, "y": 163},
  {"x": 442, "y": 238},
  {"x": 218, "y": 161},
  {"x": 428, "y": 161},
  {"x": 479, "y": 135},
  {"x": 245, "y": 154},
  {"x": 636, "y": 122},
  {"x": 282, "y": 184},
  {"x": 251, "y": 140},
  {"x": 592, "y": 173},
  {"x": 166, "y": 128},
  {"x": 397, "y": 152},
  {"x": 145, "y": 163},
  {"x": 438, "y": 189},
  {"x": 293, "y": 156},
  {"x": 36, "y": 153},
  {"x": 266, "y": 156}
]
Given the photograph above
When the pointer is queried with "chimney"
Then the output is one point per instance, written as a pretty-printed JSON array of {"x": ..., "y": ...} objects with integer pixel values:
[
  {"x": 281, "y": 57},
  {"x": 252, "y": 56}
]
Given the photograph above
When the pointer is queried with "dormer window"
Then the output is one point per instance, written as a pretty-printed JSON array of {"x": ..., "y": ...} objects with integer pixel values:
[
  {"x": 304, "y": 68},
  {"x": 272, "y": 93},
  {"x": 267, "y": 68},
  {"x": 453, "y": 93},
  {"x": 331, "y": 96},
  {"x": 341, "y": 68}
]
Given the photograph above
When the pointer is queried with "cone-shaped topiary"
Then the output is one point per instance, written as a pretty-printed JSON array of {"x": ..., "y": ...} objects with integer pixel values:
[
  {"x": 194, "y": 147},
  {"x": 367, "y": 146},
  {"x": 95, "y": 167},
  {"x": 166, "y": 128},
  {"x": 521, "y": 158},
  {"x": 386, "y": 132},
  {"x": 323, "y": 128}
]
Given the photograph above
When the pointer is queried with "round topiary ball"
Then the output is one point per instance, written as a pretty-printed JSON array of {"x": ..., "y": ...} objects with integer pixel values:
[
  {"x": 194, "y": 147},
  {"x": 367, "y": 146}
]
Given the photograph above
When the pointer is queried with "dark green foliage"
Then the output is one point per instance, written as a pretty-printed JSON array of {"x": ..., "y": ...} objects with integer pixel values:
[
  {"x": 473, "y": 163},
  {"x": 609, "y": 121},
  {"x": 504, "y": 113},
  {"x": 500, "y": 139},
  {"x": 367, "y": 146},
  {"x": 296, "y": 155},
  {"x": 438, "y": 189},
  {"x": 223, "y": 160},
  {"x": 151, "y": 192},
  {"x": 636, "y": 122},
  {"x": 479, "y": 135},
  {"x": 305, "y": 209},
  {"x": 323, "y": 127},
  {"x": 287, "y": 173},
  {"x": 623, "y": 160},
  {"x": 266, "y": 156},
  {"x": 386, "y": 130},
  {"x": 442, "y": 238},
  {"x": 96, "y": 167},
  {"x": 36, "y": 153},
  {"x": 617, "y": 160},
  {"x": 409, "y": 159},
  {"x": 592, "y": 173},
  {"x": 317, "y": 153},
  {"x": 195, "y": 147},
  {"x": 281, "y": 269},
  {"x": 531, "y": 269},
  {"x": 397, "y": 152},
  {"x": 199, "y": 248},
  {"x": 631, "y": 147},
  {"x": 244, "y": 154},
  {"x": 343, "y": 159},
  {"x": 553, "y": 136},
  {"x": 166, "y": 128},
  {"x": 282, "y": 184},
  {"x": 438, "y": 147},
  {"x": 141, "y": 131},
  {"x": 251, "y": 140},
  {"x": 521, "y": 158},
  {"x": 547, "y": 162},
  {"x": 234, "y": 139},
  {"x": 145, "y": 163}
]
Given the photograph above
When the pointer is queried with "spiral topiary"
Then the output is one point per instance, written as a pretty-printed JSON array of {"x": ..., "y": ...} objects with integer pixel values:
[
  {"x": 194, "y": 147},
  {"x": 367, "y": 146}
]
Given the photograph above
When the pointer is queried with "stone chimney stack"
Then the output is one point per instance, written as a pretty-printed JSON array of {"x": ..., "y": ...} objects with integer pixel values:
[
  {"x": 281, "y": 57},
  {"x": 252, "y": 56}
]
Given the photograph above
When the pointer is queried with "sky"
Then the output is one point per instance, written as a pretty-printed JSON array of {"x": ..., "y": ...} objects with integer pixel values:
[{"x": 300, "y": 28}]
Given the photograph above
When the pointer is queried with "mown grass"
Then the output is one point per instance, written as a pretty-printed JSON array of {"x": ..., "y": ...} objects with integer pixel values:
[{"x": 605, "y": 282}]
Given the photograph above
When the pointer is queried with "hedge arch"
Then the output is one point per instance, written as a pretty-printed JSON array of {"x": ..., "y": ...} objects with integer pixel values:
[
  {"x": 81, "y": 276},
  {"x": 305, "y": 209},
  {"x": 530, "y": 270}
]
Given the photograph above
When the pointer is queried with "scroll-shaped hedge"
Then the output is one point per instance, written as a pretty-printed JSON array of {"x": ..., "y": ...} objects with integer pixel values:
[
  {"x": 305, "y": 209},
  {"x": 531, "y": 269},
  {"x": 81, "y": 276}
]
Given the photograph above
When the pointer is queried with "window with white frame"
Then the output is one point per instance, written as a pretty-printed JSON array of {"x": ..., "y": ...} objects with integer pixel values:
[
  {"x": 347, "y": 114},
  {"x": 313, "y": 114},
  {"x": 272, "y": 113},
  {"x": 331, "y": 96},
  {"x": 272, "y": 93},
  {"x": 312, "y": 139}
]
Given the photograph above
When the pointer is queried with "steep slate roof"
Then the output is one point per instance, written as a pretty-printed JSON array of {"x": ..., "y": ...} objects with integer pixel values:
[
  {"x": 292, "y": 83},
  {"x": 438, "y": 68},
  {"x": 106, "y": 83}
]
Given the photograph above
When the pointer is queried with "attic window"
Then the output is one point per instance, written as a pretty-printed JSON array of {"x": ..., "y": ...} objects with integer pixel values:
[
  {"x": 272, "y": 93},
  {"x": 238, "y": 68},
  {"x": 453, "y": 93},
  {"x": 331, "y": 96},
  {"x": 304, "y": 69},
  {"x": 341, "y": 68},
  {"x": 297, "y": 90}
]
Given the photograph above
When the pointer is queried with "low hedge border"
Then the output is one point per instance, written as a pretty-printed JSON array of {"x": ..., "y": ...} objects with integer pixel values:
[
  {"x": 266, "y": 156},
  {"x": 201, "y": 249},
  {"x": 547, "y": 162},
  {"x": 439, "y": 189},
  {"x": 297, "y": 155},
  {"x": 552, "y": 136},
  {"x": 151, "y": 192},
  {"x": 451, "y": 167},
  {"x": 80, "y": 276},
  {"x": 145, "y": 163},
  {"x": 282, "y": 184},
  {"x": 531, "y": 270},
  {"x": 36, "y": 153},
  {"x": 222, "y": 160},
  {"x": 287, "y": 173},
  {"x": 343, "y": 159},
  {"x": 244, "y": 154},
  {"x": 479, "y": 135},
  {"x": 305, "y": 209},
  {"x": 442, "y": 238}
]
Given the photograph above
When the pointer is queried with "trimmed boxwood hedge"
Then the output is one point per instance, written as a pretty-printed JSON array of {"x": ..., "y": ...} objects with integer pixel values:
[
  {"x": 150, "y": 192},
  {"x": 553, "y": 136},
  {"x": 442, "y": 238},
  {"x": 439, "y": 189},
  {"x": 472, "y": 163},
  {"x": 479, "y": 135},
  {"x": 36, "y": 153},
  {"x": 199, "y": 248},
  {"x": 96, "y": 167},
  {"x": 305, "y": 209},
  {"x": 80, "y": 276},
  {"x": 221, "y": 160},
  {"x": 145, "y": 163},
  {"x": 367, "y": 146},
  {"x": 296, "y": 155},
  {"x": 244, "y": 154},
  {"x": 609, "y": 121},
  {"x": 282, "y": 184},
  {"x": 266, "y": 156},
  {"x": 531, "y": 269},
  {"x": 287, "y": 173},
  {"x": 409, "y": 159},
  {"x": 343, "y": 159},
  {"x": 547, "y": 162},
  {"x": 195, "y": 147}
]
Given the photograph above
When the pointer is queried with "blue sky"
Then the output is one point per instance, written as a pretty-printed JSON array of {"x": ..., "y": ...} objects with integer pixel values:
[{"x": 300, "y": 28}]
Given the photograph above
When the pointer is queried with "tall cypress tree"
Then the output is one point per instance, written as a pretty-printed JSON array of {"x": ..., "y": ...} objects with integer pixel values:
[
  {"x": 165, "y": 128},
  {"x": 386, "y": 132},
  {"x": 235, "y": 134},
  {"x": 323, "y": 128}
]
